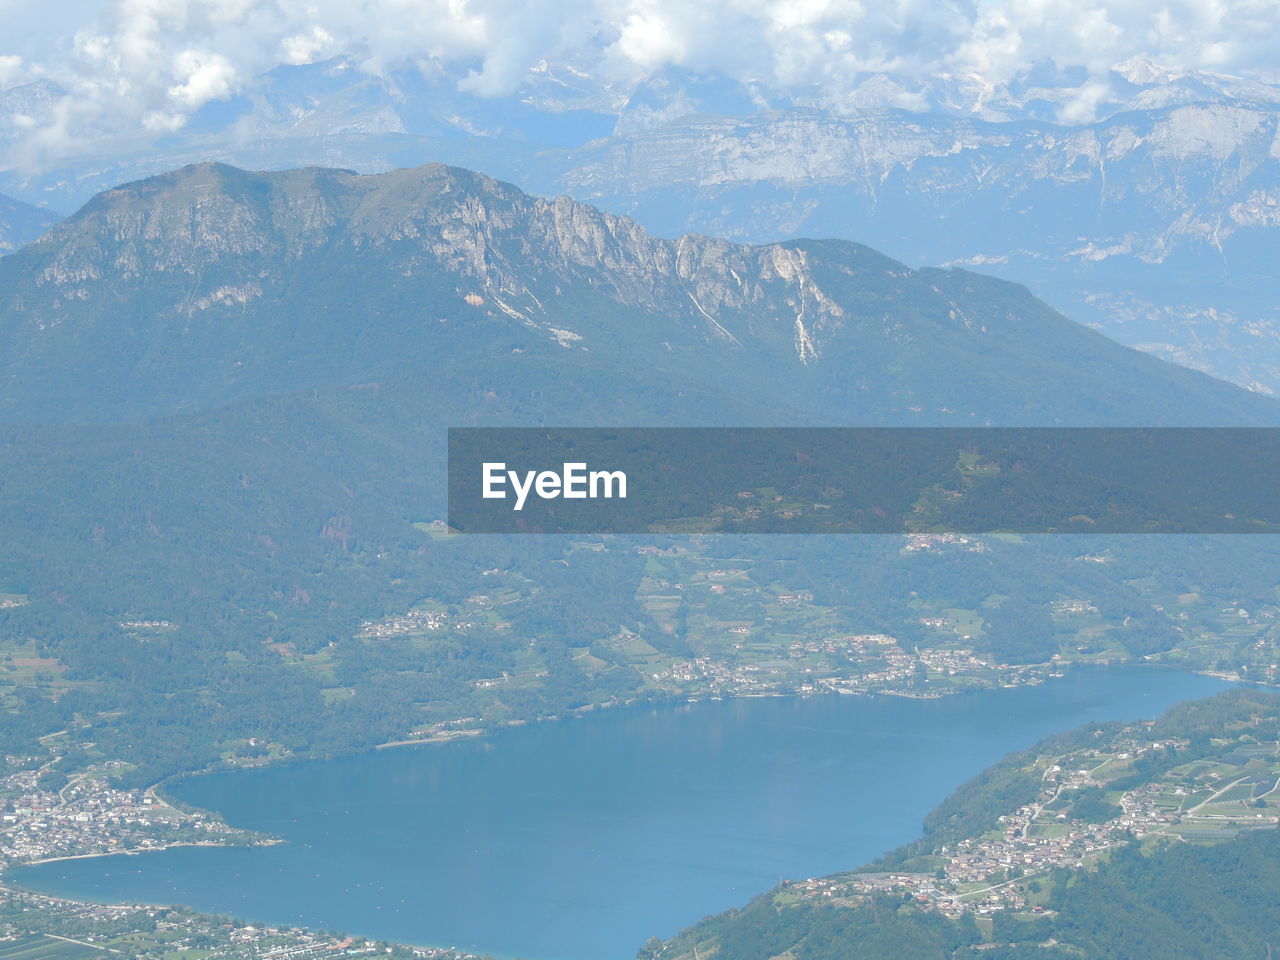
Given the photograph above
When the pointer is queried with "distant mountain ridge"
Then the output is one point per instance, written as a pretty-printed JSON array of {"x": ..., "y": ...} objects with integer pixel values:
[
  {"x": 21, "y": 223},
  {"x": 1147, "y": 208},
  {"x": 1157, "y": 225},
  {"x": 211, "y": 285}
]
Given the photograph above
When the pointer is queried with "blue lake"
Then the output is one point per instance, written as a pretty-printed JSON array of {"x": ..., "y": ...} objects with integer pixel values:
[{"x": 578, "y": 840}]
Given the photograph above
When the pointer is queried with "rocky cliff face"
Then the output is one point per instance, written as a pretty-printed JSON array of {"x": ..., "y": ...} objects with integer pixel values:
[
  {"x": 1157, "y": 226},
  {"x": 182, "y": 235},
  {"x": 1150, "y": 181}
]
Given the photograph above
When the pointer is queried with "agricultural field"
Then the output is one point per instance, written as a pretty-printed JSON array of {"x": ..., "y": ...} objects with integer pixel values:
[{"x": 42, "y": 947}]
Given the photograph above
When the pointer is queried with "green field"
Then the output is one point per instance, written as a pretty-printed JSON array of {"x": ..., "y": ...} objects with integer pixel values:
[{"x": 41, "y": 947}]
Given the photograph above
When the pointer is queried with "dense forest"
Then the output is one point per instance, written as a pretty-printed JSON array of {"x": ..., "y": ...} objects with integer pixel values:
[{"x": 258, "y": 547}]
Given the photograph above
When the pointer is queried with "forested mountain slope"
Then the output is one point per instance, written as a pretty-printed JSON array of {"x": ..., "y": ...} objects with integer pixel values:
[{"x": 226, "y": 396}]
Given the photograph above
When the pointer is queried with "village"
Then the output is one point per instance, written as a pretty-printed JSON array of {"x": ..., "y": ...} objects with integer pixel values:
[
  {"x": 1206, "y": 800},
  {"x": 88, "y": 815},
  {"x": 856, "y": 664},
  {"x": 71, "y": 929}
]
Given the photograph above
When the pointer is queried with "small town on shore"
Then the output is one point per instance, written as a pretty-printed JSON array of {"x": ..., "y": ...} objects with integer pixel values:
[
  {"x": 1076, "y": 820},
  {"x": 44, "y": 820}
]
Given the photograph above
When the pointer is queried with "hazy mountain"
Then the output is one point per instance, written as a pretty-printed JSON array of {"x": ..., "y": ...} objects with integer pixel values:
[
  {"x": 1158, "y": 225},
  {"x": 1151, "y": 214},
  {"x": 272, "y": 360},
  {"x": 21, "y": 223},
  {"x": 211, "y": 285}
]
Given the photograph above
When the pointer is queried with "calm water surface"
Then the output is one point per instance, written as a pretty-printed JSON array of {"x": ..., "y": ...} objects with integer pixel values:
[{"x": 578, "y": 840}]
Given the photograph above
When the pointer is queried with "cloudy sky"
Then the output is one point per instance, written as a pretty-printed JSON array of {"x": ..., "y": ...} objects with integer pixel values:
[{"x": 130, "y": 67}]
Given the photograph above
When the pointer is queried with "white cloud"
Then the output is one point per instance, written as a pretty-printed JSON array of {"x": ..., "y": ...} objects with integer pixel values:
[
  {"x": 206, "y": 76},
  {"x": 649, "y": 40},
  {"x": 135, "y": 66},
  {"x": 306, "y": 47},
  {"x": 10, "y": 68}
]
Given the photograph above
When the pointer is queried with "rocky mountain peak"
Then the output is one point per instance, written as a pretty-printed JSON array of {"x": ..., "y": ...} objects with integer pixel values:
[{"x": 211, "y": 283}]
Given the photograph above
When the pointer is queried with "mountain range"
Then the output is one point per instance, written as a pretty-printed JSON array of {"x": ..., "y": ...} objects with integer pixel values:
[
  {"x": 223, "y": 404},
  {"x": 1151, "y": 215}
]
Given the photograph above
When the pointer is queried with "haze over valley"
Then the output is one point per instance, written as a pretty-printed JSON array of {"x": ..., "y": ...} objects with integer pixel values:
[{"x": 257, "y": 258}]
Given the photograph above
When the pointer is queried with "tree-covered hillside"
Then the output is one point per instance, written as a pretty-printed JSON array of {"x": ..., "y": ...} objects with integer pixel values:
[{"x": 226, "y": 397}]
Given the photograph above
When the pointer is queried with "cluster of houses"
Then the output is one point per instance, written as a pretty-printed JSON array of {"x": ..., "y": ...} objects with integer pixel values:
[
  {"x": 1073, "y": 606},
  {"x": 415, "y": 621},
  {"x": 988, "y": 873},
  {"x": 883, "y": 666},
  {"x": 957, "y": 660},
  {"x": 88, "y": 815},
  {"x": 418, "y": 621},
  {"x": 716, "y": 677},
  {"x": 941, "y": 541},
  {"x": 855, "y": 647},
  {"x": 215, "y": 938}
]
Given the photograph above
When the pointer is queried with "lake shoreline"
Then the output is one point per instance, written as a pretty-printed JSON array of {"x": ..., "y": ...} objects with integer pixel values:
[
  {"x": 138, "y": 853},
  {"x": 1057, "y": 669},
  {"x": 442, "y": 815},
  {"x": 160, "y": 791}
]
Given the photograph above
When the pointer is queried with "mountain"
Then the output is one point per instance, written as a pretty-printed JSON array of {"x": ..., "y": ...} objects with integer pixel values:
[
  {"x": 21, "y": 223},
  {"x": 1157, "y": 225},
  {"x": 222, "y": 429},
  {"x": 1149, "y": 214},
  {"x": 212, "y": 285}
]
